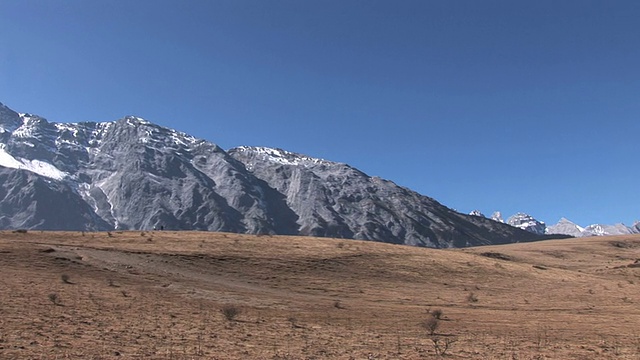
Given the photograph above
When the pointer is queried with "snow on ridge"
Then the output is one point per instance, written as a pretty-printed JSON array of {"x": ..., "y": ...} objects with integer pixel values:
[
  {"x": 136, "y": 120},
  {"x": 35, "y": 166},
  {"x": 282, "y": 156},
  {"x": 184, "y": 139}
]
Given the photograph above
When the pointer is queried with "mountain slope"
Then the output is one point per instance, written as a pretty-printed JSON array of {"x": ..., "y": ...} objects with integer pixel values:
[
  {"x": 336, "y": 200},
  {"x": 133, "y": 174}
]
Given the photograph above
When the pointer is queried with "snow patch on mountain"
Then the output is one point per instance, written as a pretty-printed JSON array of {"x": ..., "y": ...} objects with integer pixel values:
[
  {"x": 36, "y": 166},
  {"x": 476, "y": 213}
]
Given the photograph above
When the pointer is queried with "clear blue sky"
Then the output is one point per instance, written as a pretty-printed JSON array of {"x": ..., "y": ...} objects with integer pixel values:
[{"x": 507, "y": 105}]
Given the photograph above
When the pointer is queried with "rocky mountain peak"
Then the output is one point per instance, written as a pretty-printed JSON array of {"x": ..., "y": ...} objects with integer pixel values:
[
  {"x": 476, "y": 213},
  {"x": 497, "y": 216},
  {"x": 527, "y": 222},
  {"x": 565, "y": 226},
  {"x": 9, "y": 119}
]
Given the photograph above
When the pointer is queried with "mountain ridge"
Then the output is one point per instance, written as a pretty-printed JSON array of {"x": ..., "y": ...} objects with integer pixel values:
[
  {"x": 563, "y": 227},
  {"x": 134, "y": 174}
]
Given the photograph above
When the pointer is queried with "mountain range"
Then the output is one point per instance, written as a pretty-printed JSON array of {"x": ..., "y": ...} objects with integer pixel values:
[
  {"x": 131, "y": 174},
  {"x": 563, "y": 227}
]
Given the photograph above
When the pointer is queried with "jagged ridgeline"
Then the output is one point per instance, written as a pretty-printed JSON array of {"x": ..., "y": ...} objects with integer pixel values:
[{"x": 131, "y": 174}]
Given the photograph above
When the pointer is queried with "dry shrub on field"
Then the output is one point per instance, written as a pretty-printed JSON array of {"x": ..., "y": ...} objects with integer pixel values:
[
  {"x": 430, "y": 324},
  {"x": 230, "y": 311}
]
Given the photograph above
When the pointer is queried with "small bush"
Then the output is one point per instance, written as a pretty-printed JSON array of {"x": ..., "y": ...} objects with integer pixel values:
[
  {"x": 441, "y": 345},
  {"x": 54, "y": 298},
  {"x": 230, "y": 312},
  {"x": 472, "y": 298},
  {"x": 65, "y": 278},
  {"x": 437, "y": 313},
  {"x": 430, "y": 324},
  {"x": 20, "y": 231}
]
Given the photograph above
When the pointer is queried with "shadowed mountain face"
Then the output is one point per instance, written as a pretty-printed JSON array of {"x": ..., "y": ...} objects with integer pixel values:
[{"x": 132, "y": 174}]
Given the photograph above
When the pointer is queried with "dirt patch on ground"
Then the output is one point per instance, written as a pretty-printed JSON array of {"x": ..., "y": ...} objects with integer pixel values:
[{"x": 496, "y": 255}]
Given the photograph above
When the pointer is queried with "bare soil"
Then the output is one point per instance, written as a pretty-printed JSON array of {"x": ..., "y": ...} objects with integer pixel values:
[{"x": 160, "y": 295}]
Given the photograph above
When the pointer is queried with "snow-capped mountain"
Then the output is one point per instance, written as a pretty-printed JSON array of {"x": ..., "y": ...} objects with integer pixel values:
[
  {"x": 519, "y": 220},
  {"x": 566, "y": 227},
  {"x": 527, "y": 222},
  {"x": 133, "y": 174}
]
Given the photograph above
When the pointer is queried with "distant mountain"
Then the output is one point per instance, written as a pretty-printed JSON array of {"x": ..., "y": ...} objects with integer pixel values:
[
  {"x": 564, "y": 226},
  {"x": 567, "y": 227},
  {"x": 527, "y": 222},
  {"x": 133, "y": 174},
  {"x": 520, "y": 220}
]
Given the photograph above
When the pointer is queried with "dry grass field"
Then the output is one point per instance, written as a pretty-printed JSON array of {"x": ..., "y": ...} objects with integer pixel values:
[{"x": 161, "y": 295}]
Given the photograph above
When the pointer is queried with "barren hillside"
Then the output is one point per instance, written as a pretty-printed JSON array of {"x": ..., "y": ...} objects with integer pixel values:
[{"x": 159, "y": 295}]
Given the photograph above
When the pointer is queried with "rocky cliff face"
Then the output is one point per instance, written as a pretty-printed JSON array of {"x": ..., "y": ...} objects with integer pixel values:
[{"x": 133, "y": 174}]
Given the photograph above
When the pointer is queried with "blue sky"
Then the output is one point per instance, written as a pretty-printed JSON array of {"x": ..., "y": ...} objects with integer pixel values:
[{"x": 507, "y": 105}]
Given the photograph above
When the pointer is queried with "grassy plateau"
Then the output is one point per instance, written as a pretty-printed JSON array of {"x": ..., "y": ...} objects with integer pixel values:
[{"x": 203, "y": 295}]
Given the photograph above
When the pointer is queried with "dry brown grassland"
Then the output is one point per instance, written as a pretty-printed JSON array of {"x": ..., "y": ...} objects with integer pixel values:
[{"x": 169, "y": 295}]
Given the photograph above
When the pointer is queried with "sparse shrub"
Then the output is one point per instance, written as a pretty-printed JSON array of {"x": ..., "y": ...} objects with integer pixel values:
[
  {"x": 230, "y": 312},
  {"x": 472, "y": 298},
  {"x": 292, "y": 320},
  {"x": 338, "y": 305},
  {"x": 54, "y": 298},
  {"x": 65, "y": 278},
  {"x": 437, "y": 313},
  {"x": 441, "y": 345},
  {"x": 20, "y": 231},
  {"x": 109, "y": 234},
  {"x": 430, "y": 324}
]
